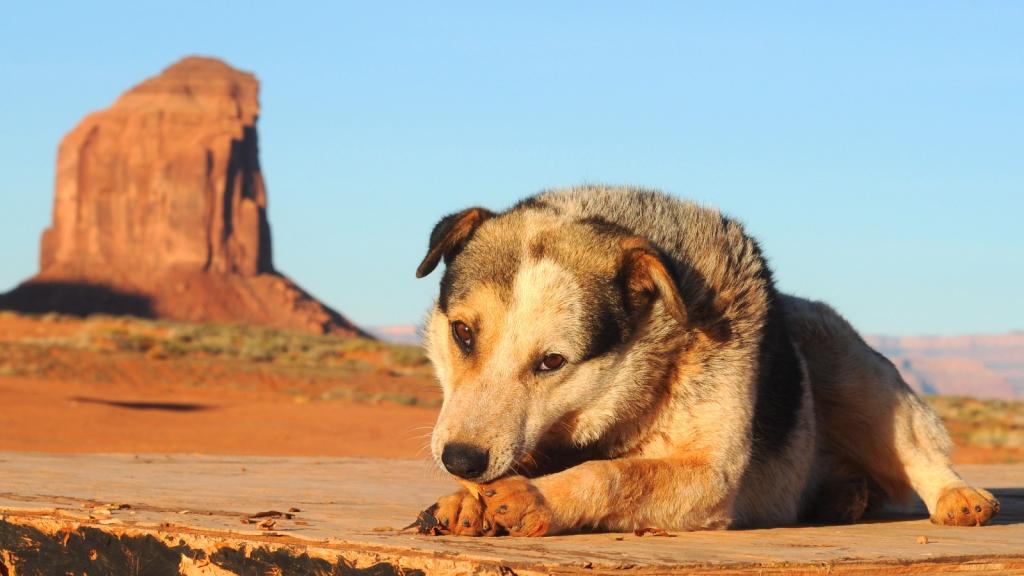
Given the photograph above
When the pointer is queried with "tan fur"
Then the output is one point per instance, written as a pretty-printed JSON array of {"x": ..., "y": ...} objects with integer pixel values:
[
  {"x": 648, "y": 277},
  {"x": 666, "y": 427},
  {"x": 872, "y": 420}
]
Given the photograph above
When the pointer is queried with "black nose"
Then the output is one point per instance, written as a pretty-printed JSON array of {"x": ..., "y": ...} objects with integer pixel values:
[{"x": 464, "y": 460}]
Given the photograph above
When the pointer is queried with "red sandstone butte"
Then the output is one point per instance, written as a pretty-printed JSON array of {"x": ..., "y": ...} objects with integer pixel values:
[{"x": 161, "y": 211}]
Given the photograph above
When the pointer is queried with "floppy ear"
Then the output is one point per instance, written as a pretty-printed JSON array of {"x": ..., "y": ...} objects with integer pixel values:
[
  {"x": 646, "y": 278},
  {"x": 449, "y": 237}
]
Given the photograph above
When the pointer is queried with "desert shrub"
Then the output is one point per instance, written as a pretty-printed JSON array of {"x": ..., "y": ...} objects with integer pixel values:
[
  {"x": 122, "y": 340},
  {"x": 407, "y": 355},
  {"x": 356, "y": 365},
  {"x": 996, "y": 436}
]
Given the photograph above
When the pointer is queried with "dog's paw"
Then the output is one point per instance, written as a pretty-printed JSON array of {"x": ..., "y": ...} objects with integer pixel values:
[
  {"x": 515, "y": 505},
  {"x": 841, "y": 501},
  {"x": 461, "y": 514},
  {"x": 965, "y": 506},
  {"x": 510, "y": 506}
]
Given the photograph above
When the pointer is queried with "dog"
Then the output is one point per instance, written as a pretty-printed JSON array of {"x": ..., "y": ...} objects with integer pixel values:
[{"x": 616, "y": 358}]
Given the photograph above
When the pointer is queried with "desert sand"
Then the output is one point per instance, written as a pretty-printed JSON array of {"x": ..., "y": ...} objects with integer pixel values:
[
  {"x": 54, "y": 416},
  {"x": 69, "y": 385}
]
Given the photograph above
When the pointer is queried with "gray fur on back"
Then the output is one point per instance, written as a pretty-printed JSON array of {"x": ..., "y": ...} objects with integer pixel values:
[{"x": 711, "y": 253}]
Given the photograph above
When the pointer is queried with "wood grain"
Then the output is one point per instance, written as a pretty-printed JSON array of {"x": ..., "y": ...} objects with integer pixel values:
[{"x": 185, "y": 514}]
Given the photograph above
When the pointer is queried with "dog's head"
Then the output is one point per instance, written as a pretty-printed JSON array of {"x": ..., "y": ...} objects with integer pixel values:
[{"x": 535, "y": 331}]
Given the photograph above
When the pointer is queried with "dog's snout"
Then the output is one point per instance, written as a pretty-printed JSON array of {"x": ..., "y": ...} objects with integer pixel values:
[{"x": 464, "y": 460}]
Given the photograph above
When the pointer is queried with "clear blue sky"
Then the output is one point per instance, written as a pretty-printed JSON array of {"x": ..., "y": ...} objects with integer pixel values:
[{"x": 875, "y": 148}]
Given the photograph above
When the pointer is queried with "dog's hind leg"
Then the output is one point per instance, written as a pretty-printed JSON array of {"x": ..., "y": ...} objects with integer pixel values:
[
  {"x": 840, "y": 499},
  {"x": 922, "y": 446},
  {"x": 868, "y": 417}
]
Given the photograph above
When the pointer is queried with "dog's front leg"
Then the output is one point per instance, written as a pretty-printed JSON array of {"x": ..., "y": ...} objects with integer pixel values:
[
  {"x": 614, "y": 495},
  {"x": 622, "y": 495}
]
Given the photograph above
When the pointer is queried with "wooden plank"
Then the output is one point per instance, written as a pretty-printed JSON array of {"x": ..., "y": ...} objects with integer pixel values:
[{"x": 184, "y": 514}]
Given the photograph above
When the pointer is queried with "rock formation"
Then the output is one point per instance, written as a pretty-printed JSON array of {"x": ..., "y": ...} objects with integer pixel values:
[
  {"x": 161, "y": 210},
  {"x": 981, "y": 365}
]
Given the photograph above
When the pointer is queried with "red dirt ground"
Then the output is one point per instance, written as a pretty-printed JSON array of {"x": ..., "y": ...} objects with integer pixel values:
[
  {"x": 70, "y": 397},
  {"x": 54, "y": 416}
]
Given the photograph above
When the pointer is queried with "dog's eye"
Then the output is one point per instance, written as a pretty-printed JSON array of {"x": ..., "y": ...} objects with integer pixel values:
[
  {"x": 463, "y": 335},
  {"x": 551, "y": 362}
]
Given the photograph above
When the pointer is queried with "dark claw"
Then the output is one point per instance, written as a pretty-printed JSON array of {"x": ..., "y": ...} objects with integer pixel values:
[
  {"x": 466, "y": 523},
  {"x": 426, "y": 522},
  {"x": 965, "y": 510},
  {"x": 977, "y": 507},
  {"x": 502, "y": 509}
]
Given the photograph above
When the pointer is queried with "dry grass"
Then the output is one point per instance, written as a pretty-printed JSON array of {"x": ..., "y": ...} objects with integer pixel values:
[
  {"x": 993, "y": 425},
  {"x": 304, "y": 366},
  {"x": 161, "y": 340}
]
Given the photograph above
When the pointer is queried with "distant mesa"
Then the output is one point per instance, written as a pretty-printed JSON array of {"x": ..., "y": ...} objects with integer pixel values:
[
  {"x": 400, "y": 334},
  {"x": 982, "y": 365},
  {"x": 161, "y": 211}
]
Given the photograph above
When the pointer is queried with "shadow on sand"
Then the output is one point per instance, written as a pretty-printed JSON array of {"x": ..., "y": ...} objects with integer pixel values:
[
  {"x": 75, "y": 299},
  {"x": 162, "y": 406}
]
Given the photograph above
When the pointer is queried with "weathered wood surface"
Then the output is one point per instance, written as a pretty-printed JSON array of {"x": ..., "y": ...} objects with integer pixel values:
[{"x": 177, "y": 514}]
